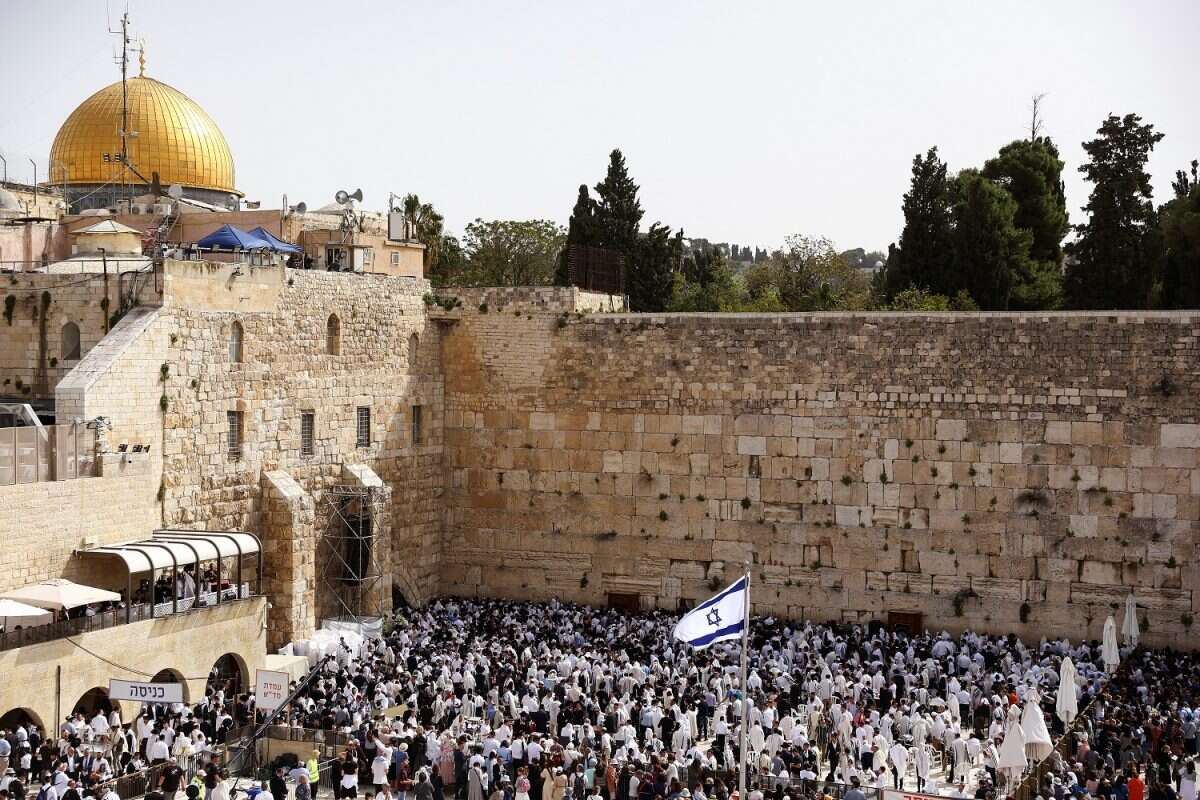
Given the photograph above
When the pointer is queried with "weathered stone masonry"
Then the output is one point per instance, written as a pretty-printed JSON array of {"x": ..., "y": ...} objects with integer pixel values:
[
  {"x": 1008, "y": 472},
  {"x": 1015, "y": 472}
]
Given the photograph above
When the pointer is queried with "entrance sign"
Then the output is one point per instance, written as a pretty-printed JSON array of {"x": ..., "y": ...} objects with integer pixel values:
[
  {"x": 145, "y": 692},
  {"x": 270, "y": 689}
]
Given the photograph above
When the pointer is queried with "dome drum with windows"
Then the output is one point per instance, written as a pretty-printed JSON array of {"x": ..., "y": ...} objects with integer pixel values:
[{"x": 168, "y": 134}]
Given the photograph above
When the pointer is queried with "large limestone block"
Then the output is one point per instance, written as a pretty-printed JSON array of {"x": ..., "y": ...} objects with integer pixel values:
[
  {"x": 1176, "y": 435},
  {"x": 951, "y": 429}
]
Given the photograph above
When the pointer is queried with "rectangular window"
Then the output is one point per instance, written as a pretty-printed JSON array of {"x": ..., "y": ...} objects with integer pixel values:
[
  {"x": 308, "y": 426},
  {"x": 233, "y": 438},
  {"x": 395, "y": 259},
  {"x": 368, "y": 256},
  {"x": 417, "y": 434},
  {"x": 363, "y": 427}
]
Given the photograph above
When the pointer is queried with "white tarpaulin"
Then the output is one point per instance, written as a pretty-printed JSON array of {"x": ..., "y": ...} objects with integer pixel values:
[{"x": 333, "y": 633}]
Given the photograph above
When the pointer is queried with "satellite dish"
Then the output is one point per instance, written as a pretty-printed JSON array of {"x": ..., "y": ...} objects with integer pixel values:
[
  {"x": 175, "y": 191},
  {"x": 300, "y": 207},
  {"x": 341, "y": 197},
  {"x": 357, "y": 195}
]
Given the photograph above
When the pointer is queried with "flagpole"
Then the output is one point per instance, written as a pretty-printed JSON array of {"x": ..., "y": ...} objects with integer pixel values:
[{"x": 742, "y": 753}]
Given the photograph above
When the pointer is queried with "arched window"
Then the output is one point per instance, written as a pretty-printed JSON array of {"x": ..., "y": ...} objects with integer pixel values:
[
  {"x": 413, "y": 341},
  {"x": 235, "y": 343},
  {"x": 333, "y": 335},
  {"x": 70, "y": 342}
]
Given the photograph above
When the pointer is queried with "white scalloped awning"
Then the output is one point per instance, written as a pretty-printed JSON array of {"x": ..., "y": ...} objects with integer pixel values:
[{"x": 169, "y": 549}]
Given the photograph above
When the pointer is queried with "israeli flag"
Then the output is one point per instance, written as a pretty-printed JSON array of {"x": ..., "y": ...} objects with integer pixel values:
[{"x": 716, "y": 620}]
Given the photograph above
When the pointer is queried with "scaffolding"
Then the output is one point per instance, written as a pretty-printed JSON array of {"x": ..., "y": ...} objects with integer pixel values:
[{"x": 348, "y": 563}]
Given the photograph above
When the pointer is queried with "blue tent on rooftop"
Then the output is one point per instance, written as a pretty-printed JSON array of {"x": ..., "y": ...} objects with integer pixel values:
[
  {"x": 228, "y": 237},
  {"x": 277, "y": 244}
]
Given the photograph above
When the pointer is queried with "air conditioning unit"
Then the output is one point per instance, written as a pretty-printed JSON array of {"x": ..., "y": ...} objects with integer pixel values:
[
  {"x": 142, "y": 208},
  {"x": 162, "y": 208}
]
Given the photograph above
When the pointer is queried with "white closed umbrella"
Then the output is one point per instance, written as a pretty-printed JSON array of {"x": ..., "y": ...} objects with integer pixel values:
[
  {"x": 1066, "y": 705},
  {"x": 13, "y": 613},
  {"x": 1129, "y": 628},
  {"x": 1109, "y": 653},
  {"x": 1033, "y": 726},
  {"x": 1011, "y": 761}
]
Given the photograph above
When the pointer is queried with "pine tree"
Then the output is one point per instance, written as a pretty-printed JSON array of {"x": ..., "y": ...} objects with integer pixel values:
[
  {"x": 582, "y": 230},
  {"x": 1031, "y": 171},
  {"x": 1181, "y": 238},
  {"x": 1114, "y": 259},
  {"x": 925, "y": 257},
  {"x": 991, "y": 252}
]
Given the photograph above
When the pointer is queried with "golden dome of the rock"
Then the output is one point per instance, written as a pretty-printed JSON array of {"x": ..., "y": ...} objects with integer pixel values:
[{"x": 174, "y": 137}]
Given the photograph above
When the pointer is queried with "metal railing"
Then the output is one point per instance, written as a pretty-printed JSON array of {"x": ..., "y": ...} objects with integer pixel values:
[
  {"x": 205, "y": 600},
  {"x": 138, "y": 612},
  {"x": 30, "y": 454}
]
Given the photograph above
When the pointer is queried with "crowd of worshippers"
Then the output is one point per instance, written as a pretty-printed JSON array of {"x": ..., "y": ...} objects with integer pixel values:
[
  {"x": 506, "y": 700},
  {"x": 1140, "y": 741},
  {"x": 496, "y": 700}
]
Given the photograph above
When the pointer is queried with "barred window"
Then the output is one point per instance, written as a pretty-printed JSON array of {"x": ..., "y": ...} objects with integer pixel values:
[
  {"x": 418, "y": 435},
  {"x": 308, "y": 426},
  {"x": 234, "y": 436},
  {"x": 363, "y": 427}
]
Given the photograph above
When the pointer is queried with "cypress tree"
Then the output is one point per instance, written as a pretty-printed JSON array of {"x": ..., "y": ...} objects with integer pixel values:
[
  {"x": 581, "y": 230},
  {"x": 925, "y": 257},
  {"x": 1113, "y": 262}
]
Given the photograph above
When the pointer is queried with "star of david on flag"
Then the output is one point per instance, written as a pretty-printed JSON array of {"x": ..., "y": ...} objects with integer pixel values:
[{"x": 715, "y": 620}]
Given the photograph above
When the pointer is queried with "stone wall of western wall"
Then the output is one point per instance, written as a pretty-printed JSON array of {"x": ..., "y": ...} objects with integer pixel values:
[
  {"x": 32, "y": 360},
  {"x": 387, "y": 361},
  {"x": 1007, "y": 472}
]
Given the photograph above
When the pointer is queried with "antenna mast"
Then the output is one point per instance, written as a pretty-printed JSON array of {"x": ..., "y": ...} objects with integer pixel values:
[{"x": 124, "y": 34}]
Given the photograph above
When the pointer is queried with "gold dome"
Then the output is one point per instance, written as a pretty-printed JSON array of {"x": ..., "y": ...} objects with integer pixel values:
[{"x": 174, "y": 137}]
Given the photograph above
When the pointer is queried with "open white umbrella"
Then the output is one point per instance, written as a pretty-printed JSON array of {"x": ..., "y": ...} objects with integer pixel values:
[
  {"x": 1129, "y": 628},
  {"x": 1109, "y": 653},
  {"x": 13, "y": 613},
  {"x": 59, "y": 593},
  {"x": 1011, "y": 761},
  {"x": 1033, "y": 726},
  {"x": 1066, "y": 705}
]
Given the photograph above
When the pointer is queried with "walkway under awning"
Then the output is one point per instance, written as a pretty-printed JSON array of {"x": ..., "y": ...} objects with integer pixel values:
[
  {"x": 169, "y": 549},
  {"x": 172, "y": 553}
]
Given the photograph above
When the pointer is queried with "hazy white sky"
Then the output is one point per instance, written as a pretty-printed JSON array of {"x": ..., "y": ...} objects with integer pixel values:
[{"x": 742, "y": 121}]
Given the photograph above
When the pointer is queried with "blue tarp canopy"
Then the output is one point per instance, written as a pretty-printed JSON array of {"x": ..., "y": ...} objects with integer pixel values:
[
  {"x": 277, "y": 244},
  {"x": 228, "y": 237}
]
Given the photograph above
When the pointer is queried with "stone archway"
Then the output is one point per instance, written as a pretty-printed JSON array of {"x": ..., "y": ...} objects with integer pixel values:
[
  {"x": 16, "y": 717},
  {"x": 171, "y": 676},
  {"x": 229, "y": 674},
  {"x": 91, "y": 701}
]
